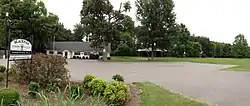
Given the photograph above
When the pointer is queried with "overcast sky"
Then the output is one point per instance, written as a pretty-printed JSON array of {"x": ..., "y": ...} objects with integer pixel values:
[{"x": 220, "y": 20}]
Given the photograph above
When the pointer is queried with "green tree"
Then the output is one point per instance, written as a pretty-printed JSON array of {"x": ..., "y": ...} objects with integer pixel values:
[
  {"x": 80, "y": 31},
  {"x": 240, "y": 47},
  {"x": 126, "y": 35},
  {"x": 206, "y": 45},
  {"x": 157, "y": 19},
  {"x": 123, "y": 49},
  {"x": 103, "y": 21},
  {"x": 180, "y": 40},
  {"x": 29, "y": 19},
  {"x": 194, "y": 49},
  {"x": 227, "y": 50}
]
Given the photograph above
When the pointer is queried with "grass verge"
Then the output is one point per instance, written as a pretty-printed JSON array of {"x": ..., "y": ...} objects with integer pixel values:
[
  {"x": 242, "y": 64},
  {"x": 153, "y": 95}
]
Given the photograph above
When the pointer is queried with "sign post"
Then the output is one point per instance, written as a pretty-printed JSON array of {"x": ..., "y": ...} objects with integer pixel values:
[{"x": 19, "y": 49}]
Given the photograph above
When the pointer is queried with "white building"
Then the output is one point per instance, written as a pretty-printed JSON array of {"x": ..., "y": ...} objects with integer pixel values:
[{"x": 72, "y": 49}]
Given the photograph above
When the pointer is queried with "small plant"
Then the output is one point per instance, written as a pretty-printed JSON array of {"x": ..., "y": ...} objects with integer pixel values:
[
  {"x": 76, "y": 91},
  {"x": 118, "y": 77},
  {"x": 116, "y": 92},
  {"x": 87, "y": 79},
  {"x": 2, "y": 69},
  {"x": 1, "y": 77},
  {"x": 9, "y": 97},
  {"x": 97, "y": 86},
  {"x": 50, "y": 88},
  {"x": 34, "y": 88},
  {"x": 60, "y": 99}
]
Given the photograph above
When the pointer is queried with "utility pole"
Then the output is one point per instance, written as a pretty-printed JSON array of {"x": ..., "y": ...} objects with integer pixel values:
[
  {"x": 54, "y": 43},
  {"x": 6, "y": 35}
]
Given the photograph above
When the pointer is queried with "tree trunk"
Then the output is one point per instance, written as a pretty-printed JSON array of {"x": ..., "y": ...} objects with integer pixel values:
[
  {"x": 104, "y": 57},
  {"x": 106, "y": 53},
  {"x": 152, "y": 52}
]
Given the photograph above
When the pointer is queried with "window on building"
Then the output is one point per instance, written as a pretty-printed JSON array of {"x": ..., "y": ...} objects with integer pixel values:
[
  {"x": 77, "y": 53},
  {"x": 59, "y": 53},
  {"x": 87, "y": 53}
]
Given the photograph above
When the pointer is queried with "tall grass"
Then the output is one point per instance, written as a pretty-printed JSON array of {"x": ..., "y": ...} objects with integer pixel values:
[{"x": 62, "y": 99}]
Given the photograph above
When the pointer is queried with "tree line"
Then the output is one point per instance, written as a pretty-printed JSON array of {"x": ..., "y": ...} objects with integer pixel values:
[
  {"x": 29, "y": 19},
  {"x": 157, "y": 29},
  {"x": 103, "y": 25}
]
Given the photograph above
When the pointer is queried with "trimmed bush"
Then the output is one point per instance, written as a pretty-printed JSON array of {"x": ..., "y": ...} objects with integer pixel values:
[
  {"x": 1, "y": 77},
  {"x": 118, "y": 77},
  {"x": 34, "y": 88},
  {"x": 87, "y": 79},
  {"x": 45, "y": 69},
  {"x": 76, "y": 91},
  {"x": 97, "y": 86},
  {"x": 2, "y": 69},
  {"x": 9, "y": 97},
  {"x": 116, "y": 93}
]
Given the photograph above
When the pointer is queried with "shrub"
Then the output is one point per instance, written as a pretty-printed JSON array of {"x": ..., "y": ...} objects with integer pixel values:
[
  {"x": 11, "y": 71},
  {"x": 87, "y": 79},
  {"x": 76, "y": 91},
  {"x": 116, "y": 93},
  {"x": 2, "y": 69},
  {"x": 33, "y": 88},
  {"x": 118, "y": 77},
  {"x": 45, "y": 69},
  {"x": 51, "y": 88},
  {"x": 1, "y": 77},
  {"x": 9, "y": 97},
  {"x": 97, "y": 86}
]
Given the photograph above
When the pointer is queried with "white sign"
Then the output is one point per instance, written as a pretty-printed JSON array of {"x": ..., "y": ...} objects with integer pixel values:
[
  {"x": 20, "y": 49},
  {"x": 20, "y": 45},
  {"x": 20, "y": 57}
]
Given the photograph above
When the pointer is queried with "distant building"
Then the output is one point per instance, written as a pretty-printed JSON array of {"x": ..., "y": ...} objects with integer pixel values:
[
  {"x": 72, "y": 49},
  {"x": 147, "y": 52}
]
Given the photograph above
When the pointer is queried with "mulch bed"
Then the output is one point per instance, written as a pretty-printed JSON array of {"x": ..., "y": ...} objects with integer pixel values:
[{"x": 135, "y": 99}]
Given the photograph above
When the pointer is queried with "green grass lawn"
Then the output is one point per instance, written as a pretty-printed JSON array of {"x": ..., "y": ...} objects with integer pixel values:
[
  {"x": 243, "y": 64},
  {"x": 153, "y": 95}
]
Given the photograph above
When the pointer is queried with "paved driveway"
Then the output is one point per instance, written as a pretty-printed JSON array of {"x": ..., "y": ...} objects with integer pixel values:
[{"x": 200, "y": 81}]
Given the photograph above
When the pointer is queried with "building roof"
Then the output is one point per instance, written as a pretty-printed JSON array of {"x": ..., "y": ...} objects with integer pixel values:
[
  {"x": 150, "y": 49},
  {"x": 73, "y": 46}
]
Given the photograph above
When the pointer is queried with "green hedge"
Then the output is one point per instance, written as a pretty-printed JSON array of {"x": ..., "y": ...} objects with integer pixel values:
[
  {"x": 9, "y": 97},
  {"x": 116, "y": 92},
  {"x": 87, "y": 79},
  {"x": 97, "y": 86}
]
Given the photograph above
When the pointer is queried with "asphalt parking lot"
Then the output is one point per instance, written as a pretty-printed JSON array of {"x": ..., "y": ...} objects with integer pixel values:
[{"x": 204, "y": 82}]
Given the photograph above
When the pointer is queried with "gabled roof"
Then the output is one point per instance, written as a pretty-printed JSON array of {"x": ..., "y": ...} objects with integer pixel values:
[{"x": 73, "y": 46}]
